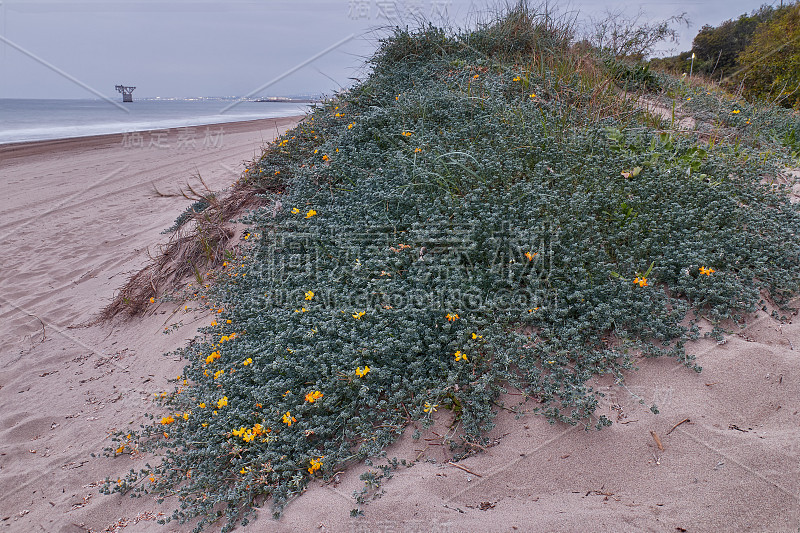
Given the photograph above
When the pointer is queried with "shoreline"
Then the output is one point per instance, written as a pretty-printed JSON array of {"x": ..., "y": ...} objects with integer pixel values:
[{"x": 16, "y": 150}]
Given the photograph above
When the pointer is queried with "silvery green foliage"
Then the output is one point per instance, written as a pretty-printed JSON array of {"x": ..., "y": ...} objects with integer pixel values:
[
  {"x": 445, "y": 188},
  {"x": 196, "y": 207}
]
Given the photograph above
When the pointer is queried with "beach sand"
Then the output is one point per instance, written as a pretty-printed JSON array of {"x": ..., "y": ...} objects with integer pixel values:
[{"x": 80, "y": 216}]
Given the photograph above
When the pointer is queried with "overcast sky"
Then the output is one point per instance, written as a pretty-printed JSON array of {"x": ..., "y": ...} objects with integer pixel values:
[{"x": 177, "y": 48}]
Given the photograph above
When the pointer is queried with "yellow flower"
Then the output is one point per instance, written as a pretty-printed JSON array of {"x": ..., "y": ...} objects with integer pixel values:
[
  {"x": 316, "y": 464},
  {"x": 211, "y": 358},
  {"x": 642, "y": 282},
  {"x": 287, "y": 393},
  {"x": 243, "y": 471},
  {"x": 517, "y": 78},
  {"x": 417, "y": 150},
  {"x": 309, "y": 295},
  {"x": 430, "y": 408},
  {"x": 222, "y": 402},
  {"x": 475, "y": 77},
  {"x": 152, "y": 300},
  {"x": 310, "y": 213},
  {"x": 295, "y": 210},
  {"x": 533, "y": 95},
  {"x": 248, "y": 361},
  {"x": 736, "y": 111},
  {"x": 312, "y": 397},
  {"x": 407, "y": 134},
  {"x": 361, "y": 373},
  {"x": 288, "y": 419},
  {"x": 350, "y": 126},
  {"x": 186, "y": 416},
  {"x": 451, "y": 318},
  {"x": 707, "y": 271},
  {"x": 218, "y": 373},
  {"x": 358, "y": 315},
  {"x": 461, "y": 356},
  {"x": 530, "y": 256},
  {"x": 201, "y": 405},
  {"x": 325, "y": 157},
  {"x": 167, "y": 420}
]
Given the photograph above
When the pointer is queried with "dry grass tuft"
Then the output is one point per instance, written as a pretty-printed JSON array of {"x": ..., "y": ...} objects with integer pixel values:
[{"x": 194, "y": 248}]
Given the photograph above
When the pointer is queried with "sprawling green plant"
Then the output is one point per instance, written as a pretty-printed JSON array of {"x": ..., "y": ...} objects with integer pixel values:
[{"x": 472, "y": 218}]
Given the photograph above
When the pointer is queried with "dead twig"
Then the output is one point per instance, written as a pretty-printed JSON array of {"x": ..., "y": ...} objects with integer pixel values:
[
  {"x": 658, "y": 440},
  {"x": 451, "y": 463},
  {"x": 676, "y": 425},
  {"x": 421, "y": 453},
  {"x": 334, "y": 478},
  {"x": 475, "y": 444}
]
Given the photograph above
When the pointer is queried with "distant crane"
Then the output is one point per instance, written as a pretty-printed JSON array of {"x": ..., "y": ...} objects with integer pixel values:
[{"x": 127, "y": 93}]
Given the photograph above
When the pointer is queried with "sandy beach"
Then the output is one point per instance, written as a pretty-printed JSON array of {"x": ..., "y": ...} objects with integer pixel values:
[{"x": 77, "y": 217}]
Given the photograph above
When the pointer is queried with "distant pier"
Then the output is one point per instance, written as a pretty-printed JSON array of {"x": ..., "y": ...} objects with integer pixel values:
[{"x": 127, "y": 93}]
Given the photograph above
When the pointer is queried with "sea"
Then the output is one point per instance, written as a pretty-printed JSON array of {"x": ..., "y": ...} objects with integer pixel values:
[{"x": 24, "y": 120}]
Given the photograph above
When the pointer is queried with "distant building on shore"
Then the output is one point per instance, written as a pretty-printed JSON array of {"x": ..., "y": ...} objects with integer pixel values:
[
  {"x": 127, "y": 93},
  {"x": 288, "y": 99}
]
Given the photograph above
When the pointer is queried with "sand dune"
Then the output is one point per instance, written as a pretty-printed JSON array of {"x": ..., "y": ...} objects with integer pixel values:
[{"x": 77, "y": 217}]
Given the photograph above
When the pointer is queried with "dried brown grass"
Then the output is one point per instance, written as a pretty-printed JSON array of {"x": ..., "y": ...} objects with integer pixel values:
[{"x": 195, "y": 248}]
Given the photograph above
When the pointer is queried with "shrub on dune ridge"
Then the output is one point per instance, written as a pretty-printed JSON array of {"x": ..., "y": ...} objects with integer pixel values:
[{"x": 475, "y": 216}]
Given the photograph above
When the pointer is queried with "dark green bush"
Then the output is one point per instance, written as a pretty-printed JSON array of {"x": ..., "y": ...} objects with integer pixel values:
[{"x": 631, "y": 75}]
